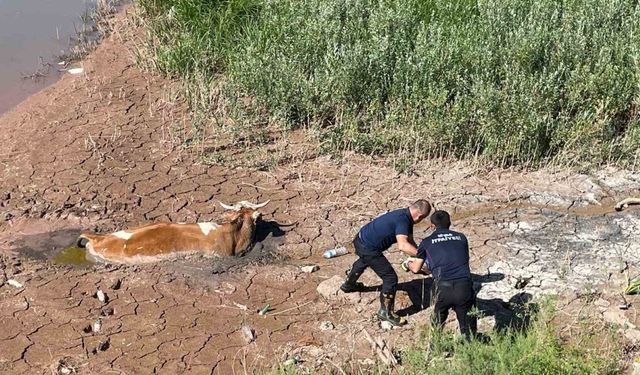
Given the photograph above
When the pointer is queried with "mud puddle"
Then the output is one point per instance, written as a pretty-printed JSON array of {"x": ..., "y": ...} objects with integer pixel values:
[
  {"x": 72, "y": 255},
  {"x": 594, "y": 209},
  {"x": 32, "y": 35}
]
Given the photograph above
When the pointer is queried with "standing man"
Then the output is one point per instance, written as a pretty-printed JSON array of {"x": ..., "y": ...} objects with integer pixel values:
[
  {"x": 447, "y": 255},
  {"x": 376, "y": 237}
]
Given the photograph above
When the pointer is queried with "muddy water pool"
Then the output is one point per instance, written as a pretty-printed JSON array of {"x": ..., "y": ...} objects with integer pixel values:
[
  {"x": 72, "y": 255},
  {"x": 33, "y": 33}
]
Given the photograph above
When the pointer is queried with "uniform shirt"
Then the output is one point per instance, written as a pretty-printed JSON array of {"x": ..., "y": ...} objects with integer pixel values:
[
  {"x": 380, "y": 234},
  {"x": 447, "y": 254}
]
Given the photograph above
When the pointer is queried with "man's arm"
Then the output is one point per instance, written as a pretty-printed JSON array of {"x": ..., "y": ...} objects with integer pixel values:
[
  {"x": 405, "y": 244},
  {"x": 415, "y": 265}
]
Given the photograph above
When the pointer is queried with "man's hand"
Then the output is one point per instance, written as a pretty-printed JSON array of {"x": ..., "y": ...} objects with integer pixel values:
[
  {"x": 405, "y": 244},
  {"x": 416, "y": 265}
]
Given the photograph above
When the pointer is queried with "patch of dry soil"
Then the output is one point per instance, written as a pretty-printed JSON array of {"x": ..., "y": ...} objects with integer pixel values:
[{"x": 98, "y": 151}]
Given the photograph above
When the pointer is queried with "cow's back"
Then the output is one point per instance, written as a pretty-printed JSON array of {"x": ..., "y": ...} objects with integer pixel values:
[{"x": 153, "y": 242}]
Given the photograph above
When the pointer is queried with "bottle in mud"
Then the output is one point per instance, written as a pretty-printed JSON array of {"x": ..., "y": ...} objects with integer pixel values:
[{"x": 341, "y": 250}]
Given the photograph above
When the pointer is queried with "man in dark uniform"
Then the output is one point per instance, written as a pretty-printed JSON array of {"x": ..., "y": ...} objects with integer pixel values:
[
  {"x": 376, "y": 237},
  {"x": 446, "y": 254}
]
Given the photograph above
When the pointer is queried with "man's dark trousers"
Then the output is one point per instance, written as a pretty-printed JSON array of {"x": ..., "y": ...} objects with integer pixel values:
[
  {"x": 459, "y": 295},
  {"x": 378, "y": 263}
]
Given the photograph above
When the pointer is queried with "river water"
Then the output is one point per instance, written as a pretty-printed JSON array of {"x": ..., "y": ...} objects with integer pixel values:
[{"x": 33, "y": 33}]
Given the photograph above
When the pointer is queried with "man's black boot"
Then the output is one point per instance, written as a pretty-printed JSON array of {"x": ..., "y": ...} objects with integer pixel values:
[
  {"x": 351, "y": 284},
  {"x": 387, "y": 301}
]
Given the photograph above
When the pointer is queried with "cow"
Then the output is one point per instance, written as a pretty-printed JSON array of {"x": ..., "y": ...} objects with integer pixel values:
[
  {"x": 626, "y": 203},
  {"x": 233, "y": 235}
]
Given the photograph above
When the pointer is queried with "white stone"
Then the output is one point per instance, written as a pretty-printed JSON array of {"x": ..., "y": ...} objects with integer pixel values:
[
  {"x": 310, "y": 268},
  {"x": 386, "y": 325},
  {"x": 330, "y": 287},
  {"x": 75, "y": 70},
  {"x": 14, "y": 283},
  {"x": 97, "y": 325},
  {"x": 101, "y": 296},
  {"x": 249, "y": 334},
  {"x": 326, "y": 326}
]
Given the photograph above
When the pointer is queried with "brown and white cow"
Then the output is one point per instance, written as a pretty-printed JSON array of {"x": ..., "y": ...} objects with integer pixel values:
[{"x": 233, "y": 235}]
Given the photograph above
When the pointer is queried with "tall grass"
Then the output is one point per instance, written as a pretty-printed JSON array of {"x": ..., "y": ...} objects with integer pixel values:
[{"x": 511, "y": 81}]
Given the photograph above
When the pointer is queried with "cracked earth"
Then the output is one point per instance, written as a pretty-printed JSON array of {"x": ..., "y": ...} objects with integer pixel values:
[{"x": 104, "y": 150}]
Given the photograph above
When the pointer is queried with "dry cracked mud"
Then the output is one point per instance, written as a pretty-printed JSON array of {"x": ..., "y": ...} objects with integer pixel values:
[{"x": 102, "y": 150}]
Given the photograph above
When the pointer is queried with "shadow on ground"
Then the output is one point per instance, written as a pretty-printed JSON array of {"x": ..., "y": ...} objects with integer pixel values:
[
  {"x": 419, "y": 291},
  {"x": 514, "y": 314}
]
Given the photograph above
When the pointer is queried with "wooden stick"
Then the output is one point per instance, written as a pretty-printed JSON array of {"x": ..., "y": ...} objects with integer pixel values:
[
  {"x": 289, "y": 309},
  {"x": 381, "y": 348},
  {"x": 374, "y": 346}
]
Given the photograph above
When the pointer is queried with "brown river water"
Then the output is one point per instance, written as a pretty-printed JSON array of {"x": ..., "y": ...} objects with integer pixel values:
[{"x": 33, "y": 33}]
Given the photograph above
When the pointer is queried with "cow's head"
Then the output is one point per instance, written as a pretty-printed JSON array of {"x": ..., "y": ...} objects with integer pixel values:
[
  {"x": 243, "y": 208},
  {"x": 243, "y": 216}
]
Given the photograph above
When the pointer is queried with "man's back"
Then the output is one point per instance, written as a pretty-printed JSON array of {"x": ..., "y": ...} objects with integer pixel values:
[
  {"x": 380, "y": 234},
  {"x": 447, "y": 254}
]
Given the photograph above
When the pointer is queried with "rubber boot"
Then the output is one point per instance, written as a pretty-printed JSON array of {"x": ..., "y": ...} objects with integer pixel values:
[
  {"x": 387, "y": 301},
  {"x": 351, "y": 284}
]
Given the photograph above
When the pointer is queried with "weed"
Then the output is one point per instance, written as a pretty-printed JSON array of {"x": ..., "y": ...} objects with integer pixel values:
[
  {"x": 95, "y": 24},
  {"x": 510, "y": 82}
]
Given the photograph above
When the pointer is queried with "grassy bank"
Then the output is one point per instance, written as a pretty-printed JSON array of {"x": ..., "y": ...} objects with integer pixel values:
[
  {"x": 511, "y": 82},
  {"x": 534, "y": 350}
]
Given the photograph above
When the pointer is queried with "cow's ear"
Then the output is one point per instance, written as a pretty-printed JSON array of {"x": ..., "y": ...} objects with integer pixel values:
[
  {"x": 255, "y": 215},
  {"x": 229, "y": 216}
]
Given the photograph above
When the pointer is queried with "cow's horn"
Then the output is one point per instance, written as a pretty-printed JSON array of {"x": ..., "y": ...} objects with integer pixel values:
[
  {"x": 260, "y": 205},
  {"x": 235, "y": 207},
  {"x": 252, "y": 205}
]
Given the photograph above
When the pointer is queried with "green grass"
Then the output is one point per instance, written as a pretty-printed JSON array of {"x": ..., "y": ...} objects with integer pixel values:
[
  {"x": 633, "y": 287},
  {"x": 511, "y": 82},
  {"x": 534, "y": 350}
]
